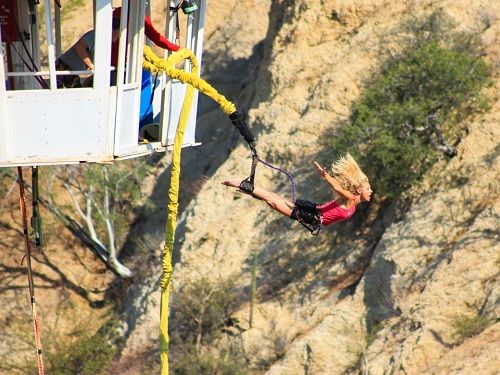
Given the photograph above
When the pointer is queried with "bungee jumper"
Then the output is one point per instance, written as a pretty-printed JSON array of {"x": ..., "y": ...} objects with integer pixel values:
[{"x": 348, "y": 182}]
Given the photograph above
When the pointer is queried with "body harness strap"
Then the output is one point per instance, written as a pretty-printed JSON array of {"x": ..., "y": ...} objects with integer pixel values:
[
  {"x": 312, "y": 228},
  {"x": 247, "y": 185}
]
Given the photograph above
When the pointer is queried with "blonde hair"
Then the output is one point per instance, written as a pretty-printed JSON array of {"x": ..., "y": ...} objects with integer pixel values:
[{"x": 347, "y": 172}]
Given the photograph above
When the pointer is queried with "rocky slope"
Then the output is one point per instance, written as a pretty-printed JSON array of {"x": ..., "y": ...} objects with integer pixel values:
[
  {"x": 372, "y": 295},
  {"x": 322, "y": 308}
]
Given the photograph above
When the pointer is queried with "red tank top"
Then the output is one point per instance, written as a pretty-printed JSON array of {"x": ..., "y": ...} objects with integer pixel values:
[{"x": 332, "y": 212}]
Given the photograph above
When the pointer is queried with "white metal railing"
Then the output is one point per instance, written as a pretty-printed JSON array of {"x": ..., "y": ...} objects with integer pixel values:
[
  {"x": 48, "y": 72},
  {"x": 50, "y": 44},
  {"x": 58, "y": 73}
]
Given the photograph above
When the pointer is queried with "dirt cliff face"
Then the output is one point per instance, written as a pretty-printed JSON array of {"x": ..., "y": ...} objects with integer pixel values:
[
  {"x": 439, "y": 262},
  {"x": 363, "y": 297}
]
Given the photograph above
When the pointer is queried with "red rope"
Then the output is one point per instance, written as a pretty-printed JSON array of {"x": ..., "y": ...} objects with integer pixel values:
[
  {"x": 27, "y": 243},
  {"x": 38, "y": 340}
]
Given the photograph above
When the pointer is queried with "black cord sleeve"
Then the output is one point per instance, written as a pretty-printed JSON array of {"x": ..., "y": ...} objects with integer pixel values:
[{"x": 237, "y": 121}]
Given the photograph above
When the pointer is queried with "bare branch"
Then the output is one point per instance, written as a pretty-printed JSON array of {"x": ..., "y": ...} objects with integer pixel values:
[{"x": 74, "y": 200}]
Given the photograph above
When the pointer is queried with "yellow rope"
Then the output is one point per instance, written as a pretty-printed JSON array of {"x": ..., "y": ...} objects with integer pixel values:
[{"x": 154, "y": 63}]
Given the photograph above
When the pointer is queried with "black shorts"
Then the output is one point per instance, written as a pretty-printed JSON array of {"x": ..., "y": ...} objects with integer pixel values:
[{"x": 306, "y": 212}]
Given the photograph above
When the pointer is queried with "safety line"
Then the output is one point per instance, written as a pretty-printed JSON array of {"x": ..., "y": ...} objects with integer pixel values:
[
  {"x": 31, "y": 284},
  {"x": 288, "y": 174}
]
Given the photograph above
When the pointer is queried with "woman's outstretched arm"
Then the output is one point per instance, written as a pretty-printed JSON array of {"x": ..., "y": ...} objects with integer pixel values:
[{"x": 333, "y": 182}]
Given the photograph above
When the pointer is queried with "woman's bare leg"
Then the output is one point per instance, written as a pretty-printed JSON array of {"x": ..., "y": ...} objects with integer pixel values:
[{"x": 273, "y": 200}]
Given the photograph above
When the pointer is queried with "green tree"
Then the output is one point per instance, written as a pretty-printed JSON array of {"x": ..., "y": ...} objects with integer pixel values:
[
  {"x": 415, "y": 105},
  {"x": 465, "y": 326},
  {"x": 89, "y": 354},
  {"x": 199, "y": 318},
  {"x": 195, "y": 362},
  {"x": 203, "y": 309}
]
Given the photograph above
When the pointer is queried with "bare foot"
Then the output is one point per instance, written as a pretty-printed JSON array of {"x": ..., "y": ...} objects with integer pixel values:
[{"x": 233, "y": 183}]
